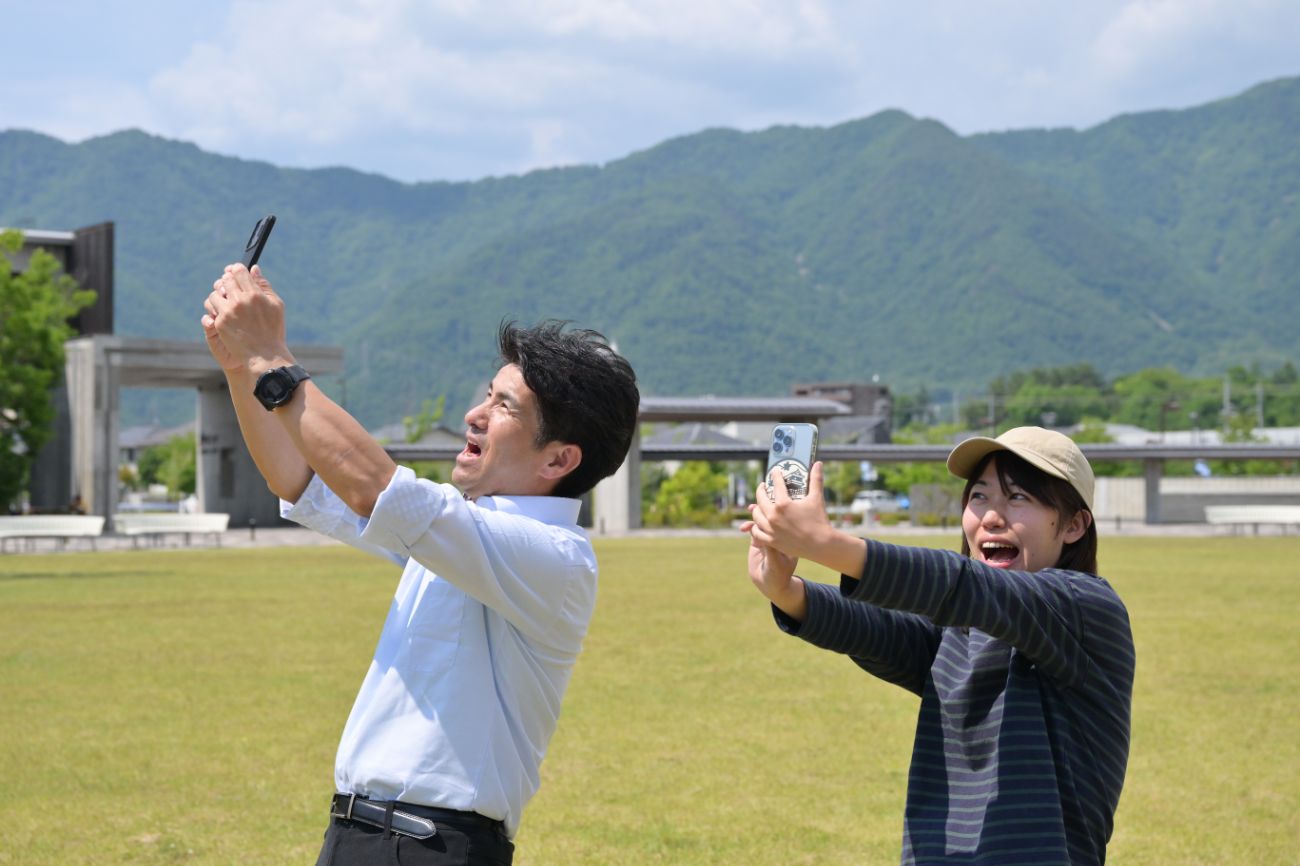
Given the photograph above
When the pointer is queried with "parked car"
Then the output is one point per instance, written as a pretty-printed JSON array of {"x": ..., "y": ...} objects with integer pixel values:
[{"x": 878, "y": 501}]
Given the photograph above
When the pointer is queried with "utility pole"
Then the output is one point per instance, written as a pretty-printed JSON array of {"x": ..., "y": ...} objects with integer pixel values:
[
  {"x": 1226, "y": 413},
  {"x": 1259, "y": 404}
]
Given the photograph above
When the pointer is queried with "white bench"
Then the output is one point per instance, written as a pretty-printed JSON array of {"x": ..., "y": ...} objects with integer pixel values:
[
  {"x": 29, "y": 527},
  {"x": 152, "y": 526},
  {"x": 1253, "y": 515}
]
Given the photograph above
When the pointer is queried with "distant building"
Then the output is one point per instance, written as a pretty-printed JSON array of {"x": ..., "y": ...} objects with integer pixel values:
[
  {"x": 871, "y": 412},
  {"x": 86, "y": 255},
  {"x": 694, "y": 433},
  {"x": 132, "y": 441},
  {"x": 438, "y": 436},
  {"x": 1128, "y": 434}
]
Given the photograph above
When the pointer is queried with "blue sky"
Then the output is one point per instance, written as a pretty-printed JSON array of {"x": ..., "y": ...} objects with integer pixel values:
[{"x": 463, "y": 89}]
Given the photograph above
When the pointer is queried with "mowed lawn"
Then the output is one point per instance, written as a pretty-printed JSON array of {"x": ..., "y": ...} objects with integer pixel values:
[{"x": 184, "y": 707}]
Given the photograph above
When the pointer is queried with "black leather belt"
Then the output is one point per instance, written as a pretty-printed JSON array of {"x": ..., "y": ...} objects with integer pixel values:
[{"x": 407, "y": 819}]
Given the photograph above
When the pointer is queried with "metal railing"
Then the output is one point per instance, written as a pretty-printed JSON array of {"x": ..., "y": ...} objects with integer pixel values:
[{"x": 911, "y": 453}]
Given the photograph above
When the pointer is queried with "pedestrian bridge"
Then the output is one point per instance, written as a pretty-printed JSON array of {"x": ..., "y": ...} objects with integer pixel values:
[
  {"x": 228, "y": 481},
  {"x": 618, "y": 498}
]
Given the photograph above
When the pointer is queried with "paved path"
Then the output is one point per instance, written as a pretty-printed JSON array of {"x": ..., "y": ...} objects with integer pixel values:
[
  {"x": 296, "y": 536},
  {"x": 280, "y": 536},
  {"x": 1107, "y": 529}
]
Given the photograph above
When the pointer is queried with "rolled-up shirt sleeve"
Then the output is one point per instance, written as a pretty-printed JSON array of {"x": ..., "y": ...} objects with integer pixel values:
[
  {"x": 320, "y": 509},
  {"x": 530, "y": 572}
]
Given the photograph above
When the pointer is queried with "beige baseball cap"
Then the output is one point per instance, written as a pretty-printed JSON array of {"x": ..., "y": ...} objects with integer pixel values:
[{"x": 1054, "y": 453}]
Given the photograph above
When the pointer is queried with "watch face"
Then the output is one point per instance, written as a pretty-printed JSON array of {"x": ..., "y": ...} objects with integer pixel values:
[{"x": 276, "y": 387}]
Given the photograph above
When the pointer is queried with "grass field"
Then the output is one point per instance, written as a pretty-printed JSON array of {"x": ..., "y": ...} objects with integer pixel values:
[{"x": 183, "y": 707}]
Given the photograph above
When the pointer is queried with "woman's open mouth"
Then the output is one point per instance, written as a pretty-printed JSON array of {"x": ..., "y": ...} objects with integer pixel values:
[{"x": 999, "y": 553}]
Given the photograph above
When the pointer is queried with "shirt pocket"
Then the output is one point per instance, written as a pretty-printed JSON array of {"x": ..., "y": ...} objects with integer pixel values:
[{"x": 433, "y": 633}]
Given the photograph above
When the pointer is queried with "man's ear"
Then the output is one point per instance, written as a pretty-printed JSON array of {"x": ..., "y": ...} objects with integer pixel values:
[
  {"x": 1076, "y": 527},
  {"x": 564, "y": 458}
]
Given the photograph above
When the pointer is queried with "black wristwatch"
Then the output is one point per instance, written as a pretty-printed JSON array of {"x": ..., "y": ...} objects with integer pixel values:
[{"x": 275, "y": 387}]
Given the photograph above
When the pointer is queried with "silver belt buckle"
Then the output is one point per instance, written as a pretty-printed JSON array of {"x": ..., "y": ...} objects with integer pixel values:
[{"x": 347, "y": 816}]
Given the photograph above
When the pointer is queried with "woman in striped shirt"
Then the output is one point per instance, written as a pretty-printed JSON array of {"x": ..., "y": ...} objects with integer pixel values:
[{"x": 1022, "y": 656}]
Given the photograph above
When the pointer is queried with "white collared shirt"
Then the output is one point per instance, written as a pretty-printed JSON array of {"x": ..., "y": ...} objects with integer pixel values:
[{"x": 464, "y": 691}]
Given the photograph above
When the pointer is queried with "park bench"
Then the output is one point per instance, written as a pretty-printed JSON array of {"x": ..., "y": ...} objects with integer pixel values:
[
  {"x": 1253, "y": 515},
  {"x": 24, "y": 529},
  {"x": 154, "y": 526}
]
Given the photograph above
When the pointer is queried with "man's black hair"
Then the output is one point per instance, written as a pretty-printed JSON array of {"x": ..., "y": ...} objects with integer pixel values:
[
  {"x": 586, "y": 394},
  {"x": 1054, "y": 493}
]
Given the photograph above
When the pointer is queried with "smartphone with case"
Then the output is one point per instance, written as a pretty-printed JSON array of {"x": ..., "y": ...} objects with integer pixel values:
[
  {"x": 793, "y": 450},
  {"x": 257, "y": 240}
]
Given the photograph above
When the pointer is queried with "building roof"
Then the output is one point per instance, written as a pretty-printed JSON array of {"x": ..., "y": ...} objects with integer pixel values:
[
  {"x": 711, "y": 408},
  {"x": 855, "y": 430},
  {"x": 1127, "y": 434},
  {"x": 693, "y": 433},
  {"x": 438, "y": 436},
  {"x": 148, "y": 435}
]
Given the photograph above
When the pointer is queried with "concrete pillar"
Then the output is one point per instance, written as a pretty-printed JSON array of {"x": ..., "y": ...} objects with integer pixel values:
[
  {"x": 93, "y": 404},
  {"x": 1153, "y": 470},
  {"x": 227, "y": 480},
  {"x": 618, "y": 497}
]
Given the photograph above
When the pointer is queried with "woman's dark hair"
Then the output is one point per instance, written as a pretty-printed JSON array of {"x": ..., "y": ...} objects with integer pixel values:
[
  {"x": 1055, "y": 493},
  {"x": 586, "y": 394}
]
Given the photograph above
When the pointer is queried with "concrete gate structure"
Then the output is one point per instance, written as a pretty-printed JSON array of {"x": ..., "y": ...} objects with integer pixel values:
[
  {"x": 81, "y": 457},
  {"x": 227, "y": 480}
]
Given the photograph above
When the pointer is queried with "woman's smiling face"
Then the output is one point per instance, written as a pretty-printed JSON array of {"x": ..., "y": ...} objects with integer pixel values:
[{"x": 1008, "y": 528}]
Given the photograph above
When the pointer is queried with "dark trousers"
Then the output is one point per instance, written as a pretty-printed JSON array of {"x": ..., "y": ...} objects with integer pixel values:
[{"x": 352, "y": 843}]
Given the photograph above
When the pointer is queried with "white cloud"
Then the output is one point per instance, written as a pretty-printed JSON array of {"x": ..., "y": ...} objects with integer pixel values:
[
  {"x": 422, "y": 89},
  {"x": 322, "y": 74},
  {"x": 1144, "y": 34},
  {"x": 732, "y": 26},
  {"x": 77, "y": 108},
  {"x": 1152, "y": 35}
]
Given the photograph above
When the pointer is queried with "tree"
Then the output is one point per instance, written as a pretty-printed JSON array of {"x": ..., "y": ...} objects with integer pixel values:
[
  {"x": 912, "y": 409},
  {"x": 690, "y": 497},
  {"x": 900, "y": 478},
  {"x": 1282, "y": 397},
  {"x": 171, "y": 464},
  {"x": 841, "y": 480},
  {"x": 1164, "y": 399},
  {"x": 416, "y": 427},
  {"x": 1240, "y": 428},
  {"x": 35, "y": 307},
  {"x": 1092, "y": 431},
  {"x": 1043, "y": 396},
  {"x": 1053, "y": 405}
]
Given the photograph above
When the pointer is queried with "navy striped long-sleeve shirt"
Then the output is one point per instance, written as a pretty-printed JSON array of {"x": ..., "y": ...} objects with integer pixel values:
[{"x": 1026, "y": 684}]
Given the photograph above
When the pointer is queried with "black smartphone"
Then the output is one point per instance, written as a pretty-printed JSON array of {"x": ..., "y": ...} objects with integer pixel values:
[
  {"x": 257, "y": 240},
  {"x": 793, "y": 450}
]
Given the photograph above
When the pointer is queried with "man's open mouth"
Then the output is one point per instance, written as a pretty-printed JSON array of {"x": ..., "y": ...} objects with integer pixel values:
[{"x": 471, "y": 450}]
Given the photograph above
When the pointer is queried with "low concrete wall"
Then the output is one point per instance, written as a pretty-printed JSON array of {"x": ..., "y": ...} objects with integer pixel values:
[{"x": 1183, "y": 500}]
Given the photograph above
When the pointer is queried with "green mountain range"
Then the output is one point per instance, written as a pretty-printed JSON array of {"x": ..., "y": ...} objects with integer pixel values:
[{"x": 736, "y": 263}]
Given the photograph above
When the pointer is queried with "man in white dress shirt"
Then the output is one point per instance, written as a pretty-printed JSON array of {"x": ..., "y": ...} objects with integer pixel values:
[{"x": 445, "y": 740}]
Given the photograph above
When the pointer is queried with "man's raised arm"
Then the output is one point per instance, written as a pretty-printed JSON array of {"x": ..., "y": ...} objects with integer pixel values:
[
  {"x": 286, "y": 471},
  {"x": 309, "y": 432}
]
